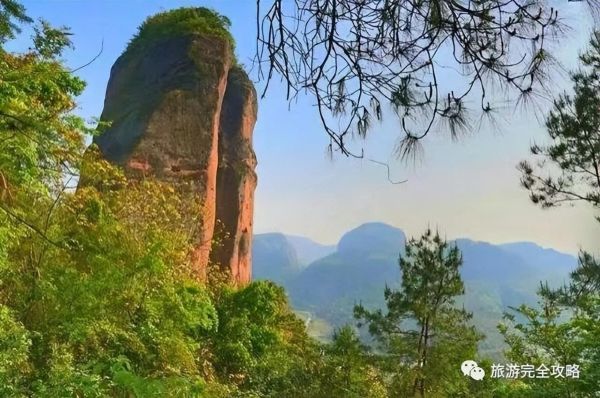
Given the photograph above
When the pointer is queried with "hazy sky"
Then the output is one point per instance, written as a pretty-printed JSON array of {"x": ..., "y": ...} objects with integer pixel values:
[{"x": 466, "y": 189}]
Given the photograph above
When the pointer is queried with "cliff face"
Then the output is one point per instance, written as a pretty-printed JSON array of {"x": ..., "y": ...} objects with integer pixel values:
[
  {"x": 236, "y": 179},
  {"x": 179, "y": 110}
]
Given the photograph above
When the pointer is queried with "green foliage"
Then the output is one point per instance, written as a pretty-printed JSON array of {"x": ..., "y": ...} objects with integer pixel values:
[
  {"x": 585, "y": 279},
  {"x": 573, "y": 125},
  {"x": 260, "y": 345},
  {"x": 42, "y": 138},
  {"x": 11, "y": 10},
  {"x": 423, "y": 335},
  {"x": 50, "y": 41},
  {"x": 351, "y": 371},
  {"x": 113, "y": 309},
  {"x": 252, "y": 318},
  {"x": 98, "y": 293},
  {"x": 14, "y": 354},
  {"x": 555, "y": 335},
  {"x": 99, "y": 296},
  {"x": 565, "y": 328},
  {"x": 179, "y": 22}
]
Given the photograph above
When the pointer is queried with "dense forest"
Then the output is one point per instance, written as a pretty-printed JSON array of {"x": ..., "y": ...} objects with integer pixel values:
[{"x": 99, "y": 296}]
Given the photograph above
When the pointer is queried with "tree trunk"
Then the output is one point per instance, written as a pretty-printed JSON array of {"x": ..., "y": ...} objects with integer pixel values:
[
  {"x": 416, "y": 384},
  {"x": 424, "y": 357}
]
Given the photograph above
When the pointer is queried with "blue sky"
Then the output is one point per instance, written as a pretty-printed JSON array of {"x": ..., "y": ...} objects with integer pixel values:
[{"x": 467, "y": 189}]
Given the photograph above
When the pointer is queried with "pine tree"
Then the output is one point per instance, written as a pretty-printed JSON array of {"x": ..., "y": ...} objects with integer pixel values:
[
  {"x": 564, "y": 329},
  {"x": 423, "y": 334}
]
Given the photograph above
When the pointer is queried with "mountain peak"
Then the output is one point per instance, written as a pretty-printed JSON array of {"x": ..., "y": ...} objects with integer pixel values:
[
  {"x": 546, "y": 257},
  {"x": 372, "y": 237}
]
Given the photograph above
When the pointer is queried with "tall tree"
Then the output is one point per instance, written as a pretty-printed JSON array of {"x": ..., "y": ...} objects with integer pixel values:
[
  {"x": 565, "y": 329},
  {"x": 351, "y": 369},
  {"x": 568, "y": 169},
  {"x": 41, "y": 140},
  {"x": 557, "y": 342},
  {"x": 362, "y": 58},
  {"x": 423, "y": 334}
]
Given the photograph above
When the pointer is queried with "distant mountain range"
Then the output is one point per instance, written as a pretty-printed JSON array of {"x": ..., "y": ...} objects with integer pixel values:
[
  {"x": 308, "y": 250},
  {"x": 326, "y": 281}
]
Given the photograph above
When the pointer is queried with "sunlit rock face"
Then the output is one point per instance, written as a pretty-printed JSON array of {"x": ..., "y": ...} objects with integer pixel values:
[
  {"x": 236, "y": 179},
  {"x": 181, "y": 110}
]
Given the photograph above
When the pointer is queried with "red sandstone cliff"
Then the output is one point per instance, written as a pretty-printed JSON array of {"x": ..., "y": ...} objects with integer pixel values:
[
  {"x": 179, "y": 110},
  {"x": 236, "y": 179}
]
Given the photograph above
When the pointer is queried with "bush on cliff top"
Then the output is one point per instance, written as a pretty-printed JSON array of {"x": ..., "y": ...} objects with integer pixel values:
[{"x": 181, "y": 21}]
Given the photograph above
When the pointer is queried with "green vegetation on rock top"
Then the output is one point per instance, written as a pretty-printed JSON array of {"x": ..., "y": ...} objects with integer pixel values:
[{"x": 182, "y": 21}]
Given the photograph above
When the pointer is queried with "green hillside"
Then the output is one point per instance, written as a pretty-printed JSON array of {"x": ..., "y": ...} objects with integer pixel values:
[{"x": 366, "y": 260}]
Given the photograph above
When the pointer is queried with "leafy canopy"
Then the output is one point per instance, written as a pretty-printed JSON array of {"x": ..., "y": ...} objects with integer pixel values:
[
  {"x": 568, "y": 169},
  {"x": 180, "y": 22},
  {"x": 565, "y": 328},
  {"x": 423, "y": 335},
  {"x": 419, "y": 62}
]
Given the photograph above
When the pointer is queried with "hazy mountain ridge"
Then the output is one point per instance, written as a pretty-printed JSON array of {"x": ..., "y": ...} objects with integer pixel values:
[
  {"x": 273, "y": 257},
  {"x": 366, "y": 259},
  {"x": 307, "y": 250}
]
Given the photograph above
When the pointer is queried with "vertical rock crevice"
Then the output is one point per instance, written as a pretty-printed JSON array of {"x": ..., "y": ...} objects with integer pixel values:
[{"x": 236, "y": 178}]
